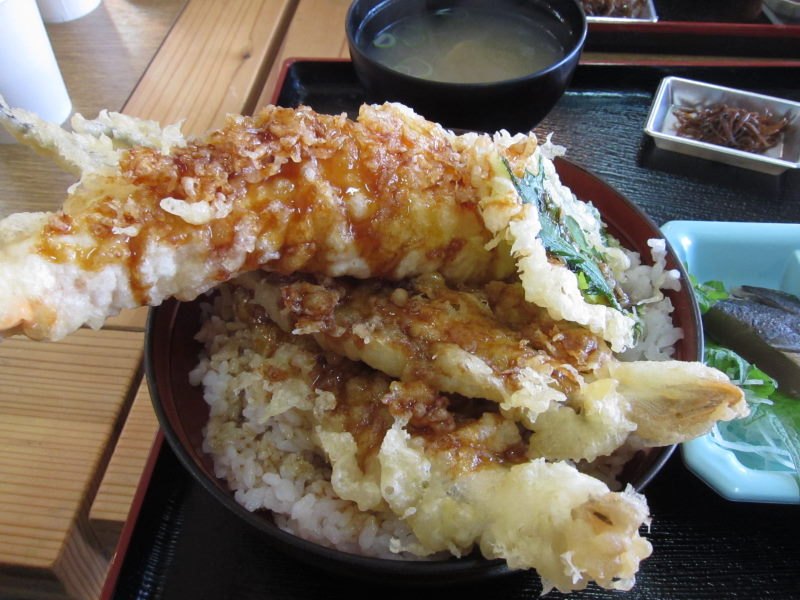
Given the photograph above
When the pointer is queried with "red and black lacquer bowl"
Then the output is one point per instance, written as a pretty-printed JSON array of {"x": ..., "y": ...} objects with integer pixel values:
[{"x": 171, "y": 353}]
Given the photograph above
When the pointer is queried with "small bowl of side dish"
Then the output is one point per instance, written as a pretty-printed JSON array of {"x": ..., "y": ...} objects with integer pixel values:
[
  {"x": 620, "y": 11},
  {"x": 172, "y": 352},
  {"x": 698, "y": 119},
  {"x": 756, "y": 254},
  {"x": 468, "y": 66}
]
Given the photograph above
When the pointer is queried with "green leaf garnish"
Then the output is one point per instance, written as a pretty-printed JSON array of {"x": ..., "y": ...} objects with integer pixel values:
[
  {"x": 742, "y": 373},
  {"x": 563, "y": 237},
  {"x": 708, "y": 293},
  {"x": 772, "y": 430}
]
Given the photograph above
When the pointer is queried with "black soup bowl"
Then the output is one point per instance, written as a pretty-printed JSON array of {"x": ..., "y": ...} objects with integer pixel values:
[{"x": 426, "y": 54}]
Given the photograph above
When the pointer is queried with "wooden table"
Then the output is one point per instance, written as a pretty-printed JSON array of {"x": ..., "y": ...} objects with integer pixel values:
[{"x": 76, "y": 426}]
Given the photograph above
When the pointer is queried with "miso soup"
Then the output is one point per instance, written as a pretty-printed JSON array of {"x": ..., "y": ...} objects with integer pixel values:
[{"x": 467, "y": 45}]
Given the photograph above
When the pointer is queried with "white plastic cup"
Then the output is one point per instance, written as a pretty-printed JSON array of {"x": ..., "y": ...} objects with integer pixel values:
[
  {"x": 29, "y": 74},
  {"x": 60, "y": 11}
]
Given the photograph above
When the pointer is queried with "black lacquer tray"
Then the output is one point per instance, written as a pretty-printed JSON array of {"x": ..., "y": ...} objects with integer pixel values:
[
  {"x": 601, "y": 121},
  {"x": 181, "y": 544},
  {"x": 708, "y": 27}
]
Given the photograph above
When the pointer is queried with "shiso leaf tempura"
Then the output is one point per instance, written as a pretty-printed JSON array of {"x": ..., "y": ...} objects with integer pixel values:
[{"x": 419, "y": 343}]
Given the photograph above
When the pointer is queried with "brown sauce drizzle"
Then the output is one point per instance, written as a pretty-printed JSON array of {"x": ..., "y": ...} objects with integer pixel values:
[
  {"x": 471, "y": 455},
  {"x": 287, "y": 175}
]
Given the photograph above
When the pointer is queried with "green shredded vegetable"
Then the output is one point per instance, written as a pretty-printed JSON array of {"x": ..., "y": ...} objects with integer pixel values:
[
  {"x": 563, "y": 237},
  {"x": 769, "y": 438},
  {"x": 708, "y": 293}
]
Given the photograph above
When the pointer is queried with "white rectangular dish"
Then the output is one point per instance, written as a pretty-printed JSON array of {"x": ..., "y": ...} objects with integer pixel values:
[
  {"x": 677, "y": 91},
  {"x": 646, "y": 15}
]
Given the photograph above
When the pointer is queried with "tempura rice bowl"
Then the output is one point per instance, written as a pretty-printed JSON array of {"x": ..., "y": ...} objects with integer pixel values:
[{"x": 172, "y": 354}]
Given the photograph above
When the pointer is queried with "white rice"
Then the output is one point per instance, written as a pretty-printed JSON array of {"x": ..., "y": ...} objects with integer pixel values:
[
  {"x": 645, "y": 285},
  {"x": 270, "y": 455},
  {"x": 262, "y": 437}
]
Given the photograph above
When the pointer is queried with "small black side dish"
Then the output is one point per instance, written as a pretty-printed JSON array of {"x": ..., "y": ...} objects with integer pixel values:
[{"x": 516, "y": 104}]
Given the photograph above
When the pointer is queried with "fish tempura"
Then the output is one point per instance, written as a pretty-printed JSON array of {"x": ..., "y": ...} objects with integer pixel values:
[
  {"x": 390, "y": 195},
  {"x": 433, "y": 473},
  {"x": 286, "y": 190},
  {"x": 580, "y": 400}
]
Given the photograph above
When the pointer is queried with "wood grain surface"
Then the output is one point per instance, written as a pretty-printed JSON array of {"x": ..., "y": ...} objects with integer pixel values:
[
  {"x": 114, "y": 498},
  {"x": 62, "y": 405},
  {"x": 67, "y": 477},
  {"x": 102, "y": 56},
  {"x": 316, "y": 31},
  {"x": 213, "y": 63}
]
